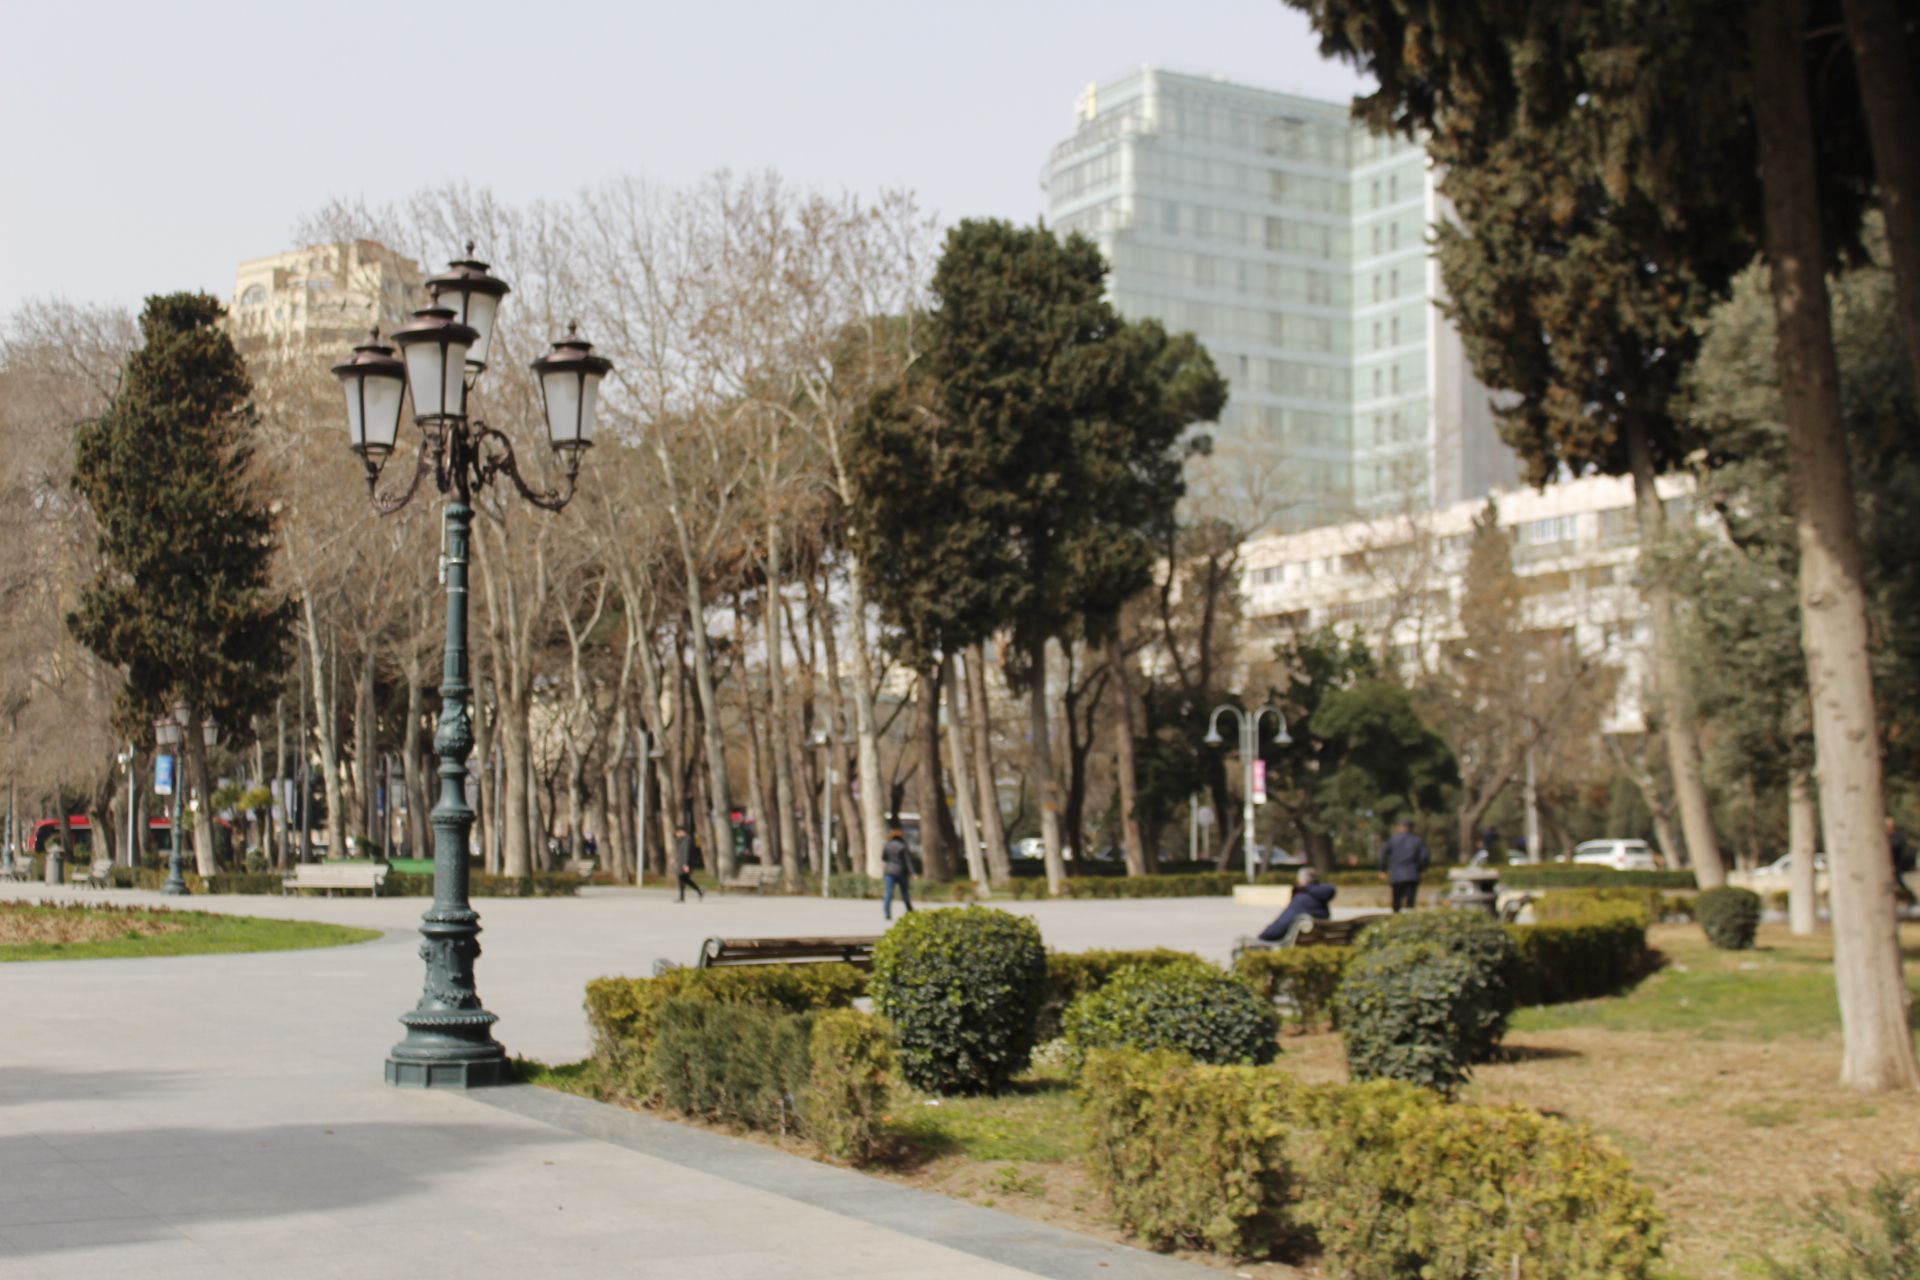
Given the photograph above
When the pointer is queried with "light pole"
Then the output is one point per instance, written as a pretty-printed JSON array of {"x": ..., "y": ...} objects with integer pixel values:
[
  {"x": 169, "y": 735},
  {"x": 449, "y": 1041},
  {"x": 1249, "y": 755}
]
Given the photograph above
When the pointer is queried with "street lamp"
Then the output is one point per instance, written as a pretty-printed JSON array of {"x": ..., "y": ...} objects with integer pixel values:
[
  {"x": 823, "y": 742},
  {"x": 443, "y": 350},
  {"x": 167, "y": 733},
  {"x": 1249, "y": 754}
]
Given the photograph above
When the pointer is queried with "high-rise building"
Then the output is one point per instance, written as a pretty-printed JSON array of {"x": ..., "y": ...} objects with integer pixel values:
[
  {"x": 323, "y": 298},
  {"x": 1294, "y": 243}
]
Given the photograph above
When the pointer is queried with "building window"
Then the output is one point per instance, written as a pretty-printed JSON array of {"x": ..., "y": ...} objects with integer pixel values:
[{"x": 255, "y": 296}]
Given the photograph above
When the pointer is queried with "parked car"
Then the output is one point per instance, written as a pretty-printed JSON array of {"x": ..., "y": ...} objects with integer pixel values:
[
  {"x": 1621, "y": 855},
  {"x": 1778, "y": 868},
  {"x": 1031, "y": 847}
]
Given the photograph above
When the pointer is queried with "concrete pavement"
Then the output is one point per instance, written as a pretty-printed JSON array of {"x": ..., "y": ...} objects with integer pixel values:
[{"x": 223, "y": 1116}]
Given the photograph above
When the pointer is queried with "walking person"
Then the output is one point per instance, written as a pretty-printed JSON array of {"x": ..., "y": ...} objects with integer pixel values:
[
  {"x": 686, "y": 852},
  {"x": 896, "y": 859},
  {"x": 1402, "y": 860},
  {"x": 1903, "y": 865}
]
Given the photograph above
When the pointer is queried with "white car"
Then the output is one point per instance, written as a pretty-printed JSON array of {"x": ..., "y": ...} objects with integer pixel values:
[
  {"x": 1621, "y": 855},
  {"x": 1031, "y": 847},
  {"x": 1779, "y": 867}
]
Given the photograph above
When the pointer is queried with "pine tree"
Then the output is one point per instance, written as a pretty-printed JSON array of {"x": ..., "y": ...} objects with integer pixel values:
[{"x": 182, "y": 600}]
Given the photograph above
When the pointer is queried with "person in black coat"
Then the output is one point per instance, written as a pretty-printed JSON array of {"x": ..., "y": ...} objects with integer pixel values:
[
  {"x": 686, "y": 853},
  {"x": 1903, "y": 864},
  {"x": 1402, "y": 859},
  {"x": 896, "y": 859},
  {"x": 1311, "y": 900}
]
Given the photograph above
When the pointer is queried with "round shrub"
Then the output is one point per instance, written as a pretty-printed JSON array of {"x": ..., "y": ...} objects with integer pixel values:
[
  {"x": 963, "y": 988},
  {"x": 1192, "y": 1007},
  {"x": 1408, "y": 1012},
  {"x": 1487, "y": 948},
  {"x": 1729, "y": 916}
]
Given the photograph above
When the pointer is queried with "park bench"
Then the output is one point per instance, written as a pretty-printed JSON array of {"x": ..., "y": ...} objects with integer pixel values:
[
  {"x": 320, "y": 875},
  {"x": 582, "y": 867},
  {"x": 724, "y": 952},
  {"x": 99, "y": 875},
  {"x": 1308, "y": 932},
  {"x": 753, "y": 877}
]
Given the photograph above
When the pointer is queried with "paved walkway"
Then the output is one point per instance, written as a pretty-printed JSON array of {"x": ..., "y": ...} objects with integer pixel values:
[{"x": 223, "y": 1116}]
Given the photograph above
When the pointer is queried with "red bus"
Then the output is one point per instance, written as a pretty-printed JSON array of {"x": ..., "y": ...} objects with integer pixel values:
[{"x": 45, "y": 834}]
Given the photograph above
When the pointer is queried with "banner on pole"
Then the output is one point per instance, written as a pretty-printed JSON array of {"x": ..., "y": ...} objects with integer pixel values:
[
  {"x": 163, "y": 775},
  {"x": 1259, "y": 781}
]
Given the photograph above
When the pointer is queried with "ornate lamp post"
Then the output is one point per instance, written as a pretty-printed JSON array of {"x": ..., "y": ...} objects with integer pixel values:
[
  {"x": 1249, "y": 755},
  {"x": 449, "y": 1041}
]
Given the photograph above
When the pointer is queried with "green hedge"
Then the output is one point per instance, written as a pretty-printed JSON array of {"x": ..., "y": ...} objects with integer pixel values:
[
  {"x": 1192, "y": 1008},
  {"x": 622, "y": 1011},
  {"x": 1391, "y": 1181},
  {"x": 852, "y": 1065},
  {"x": 1072, "y": 974},
  {"x": 1570, "y": 875},
  {"x": 1412, "y": 1012},
  {"x": 1600, "y": 952},
  {"x": 1302, "y": 979},
  {"x": 1729, "y": 917},
  {"x": 963, "y": 989},
  {"x": 1486, "y": 1000},
  {"x": 541, "y": 884}
]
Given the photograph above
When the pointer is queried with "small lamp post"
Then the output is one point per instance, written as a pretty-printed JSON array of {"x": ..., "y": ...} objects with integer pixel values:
[
  {"x": 443, "y": 350},
  {"x": 1249, "y": 754},
  {"x": 167, "y": 733}
]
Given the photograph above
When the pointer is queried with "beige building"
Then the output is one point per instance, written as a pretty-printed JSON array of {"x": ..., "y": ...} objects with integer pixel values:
[
  {"x": 1398, "y": 579},
  {"x": 324, "y": 297}
]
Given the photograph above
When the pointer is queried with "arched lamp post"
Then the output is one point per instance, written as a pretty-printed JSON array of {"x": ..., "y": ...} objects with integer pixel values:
[
  {"x": 1249, "y": 753},
  {"x": 443, "y": 350}
]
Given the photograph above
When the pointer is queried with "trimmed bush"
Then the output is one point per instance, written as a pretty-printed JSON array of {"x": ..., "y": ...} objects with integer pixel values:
[
  {"x": 1072, "y": 974},
  {"x": 744, "y": 1064},
  {"x": 541, "y": 884},
  {"x": 1730, "y": 917},
  {"x": 622, "y": 1011},
  {"x": 1600, "y": 952},
  {"x": 1302, "y": 978},
  {"x": 1191, "y": 1008},
  {"x": 1868, "y": 1233},
  {"x": 963, "y": 989},
  {"x": 1204, "y": 884},
  {"x": 1411, "y": 1013},
  {"x": 1569, "y": 875},
  {"x": 852, "y": 1065},
  {"x": 1487, "y": 998},
  {"x": 1191, "y": 1156},
  {"x": 1400, "y": 1185}
]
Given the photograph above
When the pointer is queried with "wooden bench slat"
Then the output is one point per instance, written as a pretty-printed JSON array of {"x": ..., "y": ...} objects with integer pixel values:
[{"x": 724, "y": 952}]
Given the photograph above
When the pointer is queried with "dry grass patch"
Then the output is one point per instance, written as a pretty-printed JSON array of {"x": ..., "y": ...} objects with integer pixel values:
[{"x": 23, "y": 923}]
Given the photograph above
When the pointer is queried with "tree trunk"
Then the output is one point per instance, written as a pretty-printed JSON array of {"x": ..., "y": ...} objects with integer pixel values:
[
  {"x": 785, "y": 799},
  {"x": 419, "y": 842},
  {"x": 1803, "y": 843},
  {"x": 852, "y": 813},
  {"x": 200, "y": 787},
  {"x": 325, "y": 728},
  {"x": 1873, "y": 993},
  {"x": 993, "y": 831},
  {"x": 1040, "y": 760},
  {"x": 1882, "y": 59},
  {"x": 866, "y": 730},
  {"x": 516, "y": 773},
  {"x": 1678, "y": 719},
  {"x": 277, "y": 811},
  {"x": 365, "y": 746},
  {"x": 930, "y": 798},
  {"x": 962, "y": 782},
  {"x": 720, "y": 796},
  {"x": 1138, "y": 863}
]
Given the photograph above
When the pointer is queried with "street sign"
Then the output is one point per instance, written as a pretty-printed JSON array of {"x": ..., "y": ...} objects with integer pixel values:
[
  {"x": 1259, "y": 781},
  {"x": 163, "y": 775}
]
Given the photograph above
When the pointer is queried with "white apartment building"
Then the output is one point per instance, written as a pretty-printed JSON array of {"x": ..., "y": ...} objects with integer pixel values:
[
  {"x": 1398, "y": 579},
  {"x": 1294, "y": 244},
  {"x": 325, "y": 297}
]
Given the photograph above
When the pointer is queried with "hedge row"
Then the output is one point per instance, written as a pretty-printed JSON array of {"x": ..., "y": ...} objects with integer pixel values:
[
  {"x": 1389, "y": 1180},
  {"x": 543, "y": 884}
]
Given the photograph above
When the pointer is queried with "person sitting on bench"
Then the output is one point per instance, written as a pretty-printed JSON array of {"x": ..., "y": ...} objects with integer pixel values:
[{"x": 1311, "y": 900}]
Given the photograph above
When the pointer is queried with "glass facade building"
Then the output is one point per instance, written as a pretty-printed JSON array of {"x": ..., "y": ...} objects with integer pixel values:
[{"x": 1294, "y": 244}]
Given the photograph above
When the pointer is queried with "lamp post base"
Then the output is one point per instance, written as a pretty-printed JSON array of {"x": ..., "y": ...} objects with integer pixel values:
[
  {"x": 449, "y": 1050},
  {"x": 175, "y": 889}
]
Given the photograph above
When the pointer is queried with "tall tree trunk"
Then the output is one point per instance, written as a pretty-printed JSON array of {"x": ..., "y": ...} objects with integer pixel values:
[
  {"x": 766, "y": 844},
  {"x": 852, "y": 812},
  {"x": 1678, "y": 719},
  {"x": 200, "y": 784},
  {"x": 1883, "y": 61},
  {"x": 516, "y": 776},
  {"x": 325, "y": 730},
  {"x": 720, "y": 797},
  {"x": 962, "y": 783},
  {"x": 366, "y": 767},
  {"x": 1040, "y": 758},
  {"x": 1803, "y": 843},
  {"x": 993, "y": 830},
  {"x": 931, "y": 800},
  {"x": 780, "y": 722},
  {"x": 866, "y": 727},
  {"x": 419, "y": 843},
  {"x": 1833, "y": 609},
  {"x": 277, "y": 811},
  {"x": 1125, "y": 765}
]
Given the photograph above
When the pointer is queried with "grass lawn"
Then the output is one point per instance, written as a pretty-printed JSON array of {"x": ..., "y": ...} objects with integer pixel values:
[{"x": 30, "y": 931}]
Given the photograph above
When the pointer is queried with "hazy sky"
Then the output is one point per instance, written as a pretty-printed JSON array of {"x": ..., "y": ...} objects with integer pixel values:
[{"x": 151, "y": 147}]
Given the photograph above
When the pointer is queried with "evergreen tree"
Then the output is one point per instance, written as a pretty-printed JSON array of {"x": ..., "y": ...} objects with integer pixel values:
[{"x": 182, "y": 600}]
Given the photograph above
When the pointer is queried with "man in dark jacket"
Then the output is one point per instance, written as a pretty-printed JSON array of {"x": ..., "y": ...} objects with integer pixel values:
[
  {"x": 896, "y": 860},
  {"x": 1903, "y": 864},
  {"x": 686, "y": 853},
  {"x": 1402, "y": 858},
  {"x": 1311, "y": 901}
]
